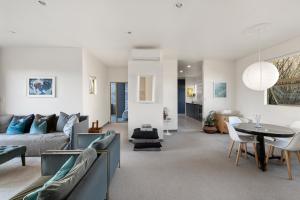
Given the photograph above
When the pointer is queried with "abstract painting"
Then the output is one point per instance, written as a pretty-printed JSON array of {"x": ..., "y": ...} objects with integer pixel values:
[
  {"x": 41, "y": 87},
  {"x": 190, "y": 92},
  {"x": 287, "y": 89},
  {"x": 220, "y": 89}
]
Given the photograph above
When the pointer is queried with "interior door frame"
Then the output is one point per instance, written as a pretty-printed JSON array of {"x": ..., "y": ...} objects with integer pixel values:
[{"x": 116, "y": 82}]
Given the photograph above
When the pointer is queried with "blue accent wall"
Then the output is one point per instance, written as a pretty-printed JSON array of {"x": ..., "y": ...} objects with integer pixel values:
[
  {"x": 181, "y": 96},
  {"x": 121, "y": 99}
]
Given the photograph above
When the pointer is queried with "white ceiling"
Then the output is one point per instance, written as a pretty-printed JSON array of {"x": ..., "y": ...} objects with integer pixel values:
[{"x": 200, "y": 29}]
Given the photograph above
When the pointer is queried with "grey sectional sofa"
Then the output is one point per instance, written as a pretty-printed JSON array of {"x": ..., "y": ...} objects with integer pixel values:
[
  {"x": 39, "y": 143},
  {"x": 95, "y": 183}
]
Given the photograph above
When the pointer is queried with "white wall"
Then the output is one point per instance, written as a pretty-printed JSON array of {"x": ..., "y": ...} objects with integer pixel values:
[
  {"x": 250, "y": 102},
  {"x": 170, "y": 88},
  {"x": 19, "y": 63},
  {"x": 118, "y": 74},
  {"x": 95, "y": 105},
  {"x": 145, "y": 113},
  {"x": 216, "y": 70}
]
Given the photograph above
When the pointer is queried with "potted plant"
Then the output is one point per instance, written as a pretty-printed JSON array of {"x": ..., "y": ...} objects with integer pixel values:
[{"x": 210, "y": 123}]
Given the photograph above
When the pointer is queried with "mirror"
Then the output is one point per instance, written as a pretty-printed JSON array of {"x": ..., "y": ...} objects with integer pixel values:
[{"x": 146, "y": 89}]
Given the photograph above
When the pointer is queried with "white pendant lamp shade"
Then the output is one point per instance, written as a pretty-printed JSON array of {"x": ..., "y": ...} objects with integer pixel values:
[{"x": 260, "y": 76}]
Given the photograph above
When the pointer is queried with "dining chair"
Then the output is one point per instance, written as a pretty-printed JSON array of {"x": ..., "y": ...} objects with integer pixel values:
[
  {"x": 287, "y": 145},
  {"x": 234, "y": 120},
  {"x": 242, "y": 141},
  {"x": 296, "y": 127}
]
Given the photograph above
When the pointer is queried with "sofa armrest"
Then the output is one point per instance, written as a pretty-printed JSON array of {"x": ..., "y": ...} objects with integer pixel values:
[
  {"x": 81, "y": 127},
  {"x": 85, "y": 139},
  {"x": 51, "y": 161},
  {"x": 114, "y": 150}
]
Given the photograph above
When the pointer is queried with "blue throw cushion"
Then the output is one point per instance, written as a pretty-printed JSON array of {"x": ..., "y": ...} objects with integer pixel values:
[
  {"x": 16, "y": 126},
  {"x": 20, "y": 124},
  {"x": 61, "y": 173},
  {"x": 38, "y": 127},
  {"x": 29, "y": 119}
]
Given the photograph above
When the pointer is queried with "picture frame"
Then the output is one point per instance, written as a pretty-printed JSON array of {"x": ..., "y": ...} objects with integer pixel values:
[
  {"x": 286, "y": 90},
  {"x": 145, "y": 85},
  {"x": 93, "y": 85},
  {"x": 220, "y": 89},
  {"x": 41, "y": 86}
]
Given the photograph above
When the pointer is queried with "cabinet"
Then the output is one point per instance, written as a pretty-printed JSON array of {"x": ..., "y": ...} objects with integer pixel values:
[
  {"x": 194, "y": 111},
  {"x": 220, "y": 122}
]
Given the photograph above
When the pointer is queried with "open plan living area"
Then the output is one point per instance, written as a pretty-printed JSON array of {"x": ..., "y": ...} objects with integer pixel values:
[{"x": 149, "y": 100}]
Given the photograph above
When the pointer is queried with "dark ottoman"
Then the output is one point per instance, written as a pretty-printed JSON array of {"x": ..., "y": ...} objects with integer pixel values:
[{"x": 9, "y": 152}]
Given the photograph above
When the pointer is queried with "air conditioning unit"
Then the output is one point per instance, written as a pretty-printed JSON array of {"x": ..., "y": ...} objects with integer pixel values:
[{"x": 145, "y": 54}]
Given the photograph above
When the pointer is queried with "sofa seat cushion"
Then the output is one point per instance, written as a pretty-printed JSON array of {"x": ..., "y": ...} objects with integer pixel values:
[
  {"x": 36, "y": 144},
  {"x": 34, "y": 186}
]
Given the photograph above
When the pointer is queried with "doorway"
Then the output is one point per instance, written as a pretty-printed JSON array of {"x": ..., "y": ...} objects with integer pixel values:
[
  {"x": 118, "y": 102},
  {"x": 181, "y": 96}
]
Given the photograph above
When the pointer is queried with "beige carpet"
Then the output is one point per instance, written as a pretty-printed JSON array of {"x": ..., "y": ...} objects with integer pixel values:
[
  {"x": 13, "y": 176},
  {"x": 191, "y": 165},
  {"x": 194, "y": 166}
]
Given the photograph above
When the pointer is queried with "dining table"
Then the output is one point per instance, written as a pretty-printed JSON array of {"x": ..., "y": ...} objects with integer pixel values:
[{"x": 261, "y": 131}]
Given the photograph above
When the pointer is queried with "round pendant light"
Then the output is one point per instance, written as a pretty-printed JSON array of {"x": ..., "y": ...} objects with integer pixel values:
[{"x": 260, "y": 75}]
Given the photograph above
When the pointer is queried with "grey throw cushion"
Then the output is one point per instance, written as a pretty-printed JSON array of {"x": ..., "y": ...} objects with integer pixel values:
[
  {"x": 102, "y": 143},
  {"x": 60, "y": 189},
  {"x": 63, "y": 119},
  {"x": 4, "y": 122},
  {"x": 69, "y": 125}
]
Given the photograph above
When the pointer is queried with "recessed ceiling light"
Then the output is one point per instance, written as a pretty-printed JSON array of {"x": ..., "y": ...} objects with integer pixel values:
[
  {"x": 43, "y": 3},
  {"x": 181, "y": 71},
  {"x": 189, "y": 66},
  {"x": 12, "y": 32},
  {"x": 179, "y": 4}
]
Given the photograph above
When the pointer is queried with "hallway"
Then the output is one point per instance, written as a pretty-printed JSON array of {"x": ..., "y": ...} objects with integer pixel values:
[{"x": 187, "y": 124}]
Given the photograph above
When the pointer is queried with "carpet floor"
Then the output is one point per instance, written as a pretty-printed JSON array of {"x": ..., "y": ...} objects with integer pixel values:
[{"x": 191, "y": 165}]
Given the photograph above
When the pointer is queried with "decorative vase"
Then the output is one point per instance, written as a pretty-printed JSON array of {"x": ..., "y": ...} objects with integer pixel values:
[{"x": 210, "y": 129}]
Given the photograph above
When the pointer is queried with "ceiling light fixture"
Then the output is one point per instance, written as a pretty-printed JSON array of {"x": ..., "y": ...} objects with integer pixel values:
[
  {"x": 181, "y": 71},
  {"x": 260, "y": 75},
  {"x": 43, "y": 3},
  {"x": 179, "y": 4},
  {"x": 12, "y": 32},
  {"x": 189, "y": 66},
  {"x": 129, "y": 32}
]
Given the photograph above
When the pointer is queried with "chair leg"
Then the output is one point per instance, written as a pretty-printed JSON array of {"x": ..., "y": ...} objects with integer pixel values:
[
  {"x": 288, "y": 163},
  {"x": 255, "y": 155},
  {"x": 269, "y": 153},
  {"x": 230, "y": 148},
  {"x": 298, "y": 155},
  {"x": 282, "y": 157},
  {"x": 245, "y": 151},
  {"x": 238, "y": 154}
]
